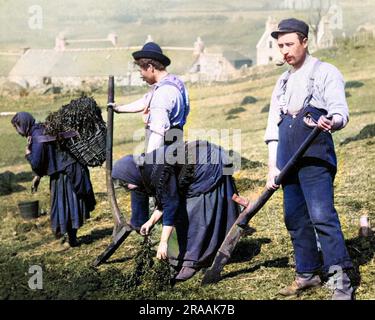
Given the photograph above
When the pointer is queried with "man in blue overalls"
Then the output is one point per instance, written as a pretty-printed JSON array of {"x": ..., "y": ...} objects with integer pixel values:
[
  {"x": 166, "y": 106},
  {"x": 311, "y": 93}
]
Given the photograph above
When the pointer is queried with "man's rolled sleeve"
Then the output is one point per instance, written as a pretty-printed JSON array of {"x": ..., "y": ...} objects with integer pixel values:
[
  {"x": 135, "y": 106},
  {"x": 334, "y": 97},
  {"x": 272, "y": 130}
]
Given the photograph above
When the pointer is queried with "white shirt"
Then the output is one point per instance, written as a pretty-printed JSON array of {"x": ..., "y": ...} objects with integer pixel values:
[
  {"x": 328, "y": 94},
  {"x": 167, "y": 109},
  {"x": 164, "y": 100}
]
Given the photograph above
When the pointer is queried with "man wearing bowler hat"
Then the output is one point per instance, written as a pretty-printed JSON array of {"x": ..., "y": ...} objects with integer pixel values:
[
  {"x": 166, "y": 106},
  {"x": 311, "y": 93}
]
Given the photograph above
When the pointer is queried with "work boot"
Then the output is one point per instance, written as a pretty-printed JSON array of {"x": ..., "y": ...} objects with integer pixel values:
[
  {"x": 341, "y": 285},
  {"x": 136, "y": 229},
  {"x": 64, "y": 243},
  {"x": 300, "y": 284},
  {"x": 185, "y": 274},
  {"x": 248, "y": 231}
]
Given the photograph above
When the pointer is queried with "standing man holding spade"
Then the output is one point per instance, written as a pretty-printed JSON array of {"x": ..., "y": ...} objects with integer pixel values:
[
  {"x": 166, "y": 106},
  {"x": 311, "y": 93}
]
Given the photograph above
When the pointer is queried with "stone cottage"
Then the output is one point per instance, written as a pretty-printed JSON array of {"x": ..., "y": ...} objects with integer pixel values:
[{"x": 267, "y": 49}]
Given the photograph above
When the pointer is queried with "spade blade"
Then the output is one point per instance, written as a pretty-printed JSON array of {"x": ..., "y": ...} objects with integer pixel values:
[{"x": 118, "y": 239}]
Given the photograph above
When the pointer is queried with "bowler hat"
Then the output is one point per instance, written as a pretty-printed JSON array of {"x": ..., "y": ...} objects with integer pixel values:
[
  {"x": 151, "y": 50},
  {"x": 291, "y": 25}
]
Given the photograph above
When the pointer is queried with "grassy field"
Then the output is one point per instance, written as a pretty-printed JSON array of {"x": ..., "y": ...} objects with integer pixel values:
[
  {"x": 262, "y": 263},
  {"x": 235, "y": 25}
]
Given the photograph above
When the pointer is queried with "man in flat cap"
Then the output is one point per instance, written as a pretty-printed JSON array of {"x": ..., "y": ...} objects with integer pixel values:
[
  {"x": 311, "y": 93},
  {"x": 166, "y": 105}
]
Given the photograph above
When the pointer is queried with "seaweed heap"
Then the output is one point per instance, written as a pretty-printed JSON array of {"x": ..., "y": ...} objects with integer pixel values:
[
  {"x": 143, "y": 263},
  {"x": 148, "y": 278},
  {"x": 83, "y": 116},
  {"x": 367, "y": 132}
]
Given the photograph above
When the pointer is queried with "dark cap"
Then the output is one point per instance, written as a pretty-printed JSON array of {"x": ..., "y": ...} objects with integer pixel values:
[
  {"x": 291, "y": 25},
  {"x": 151, "y": 50}
]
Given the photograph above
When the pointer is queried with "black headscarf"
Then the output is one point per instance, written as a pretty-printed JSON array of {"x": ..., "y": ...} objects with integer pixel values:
[
  {"x": 24, "y": 121},
  {"x": 127, "y": 171},
  {"x": 151, "y": 179}
]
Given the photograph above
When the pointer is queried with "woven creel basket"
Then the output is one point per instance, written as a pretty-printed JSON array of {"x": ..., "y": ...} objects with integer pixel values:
[{"x": 90, "y": 151}]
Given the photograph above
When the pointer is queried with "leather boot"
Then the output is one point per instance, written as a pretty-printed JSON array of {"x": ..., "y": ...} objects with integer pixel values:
[
  {"x": 342, "y": 286},
  {"x": 300, "y": 284}
]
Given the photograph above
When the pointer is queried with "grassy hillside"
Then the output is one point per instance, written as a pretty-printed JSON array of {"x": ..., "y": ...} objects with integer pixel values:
[
  {"x": 262, "y": 263},
  {"x": 234, "y": 25}
]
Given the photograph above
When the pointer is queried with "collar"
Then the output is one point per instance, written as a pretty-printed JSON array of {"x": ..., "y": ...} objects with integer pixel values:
[
  {"x": 307, "y": 61},
  {"x": 161, "y": 80}
]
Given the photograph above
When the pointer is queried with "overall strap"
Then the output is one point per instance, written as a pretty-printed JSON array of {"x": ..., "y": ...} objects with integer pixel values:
[
  {"x": 172, "y": 81},
  {"x": 146, "y": 110},
  {"x": 178, "y": 84},
  {"x": 310, "y": 88},
  {"x": 282, "y": 89},
  {"x": 62, "y": 135},
  {"x": 284, "y": 82}
]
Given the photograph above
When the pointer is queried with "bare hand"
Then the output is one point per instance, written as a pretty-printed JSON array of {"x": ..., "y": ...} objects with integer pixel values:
[
  {"x": 272, "y": 174},
  {"x": 27, "y": 149},
  {"x": 35, "y": 184},
  {"x": 162, "y": 252},
  {"x": 146, "y": 227},
  {"x": 113, "y": 106},
  {"x": 325, "y": 124},
  {"x": 310, "y": 121}
]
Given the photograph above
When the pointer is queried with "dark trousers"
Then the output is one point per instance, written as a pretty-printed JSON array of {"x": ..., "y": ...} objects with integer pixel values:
[
  {"x": 308, "y": 196},
  {"x": 140, "y": 208},
  {"x": 309, "y": 207}
]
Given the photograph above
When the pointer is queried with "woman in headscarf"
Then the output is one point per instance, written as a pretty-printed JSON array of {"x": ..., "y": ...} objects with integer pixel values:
[
  {"x": 72, "y": 196},
  {"x": 194, "y": 196}
]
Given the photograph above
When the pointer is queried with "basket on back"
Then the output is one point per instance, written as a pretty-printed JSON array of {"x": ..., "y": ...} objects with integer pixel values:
[{"x": 83, "y": 117}]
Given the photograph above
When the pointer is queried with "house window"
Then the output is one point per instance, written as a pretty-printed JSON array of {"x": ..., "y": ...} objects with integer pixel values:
[
  {"x": 270, "y": 59},
  {"x": 198, "y": 67},
  {"x": 270, "y": 45}
]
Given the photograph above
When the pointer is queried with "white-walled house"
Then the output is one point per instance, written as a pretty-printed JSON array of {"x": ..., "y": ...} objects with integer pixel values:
[{"x": 267, "y": 49}]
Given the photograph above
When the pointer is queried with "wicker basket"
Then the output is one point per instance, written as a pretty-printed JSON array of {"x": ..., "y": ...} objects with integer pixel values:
[{"x": 89, "y": 152}]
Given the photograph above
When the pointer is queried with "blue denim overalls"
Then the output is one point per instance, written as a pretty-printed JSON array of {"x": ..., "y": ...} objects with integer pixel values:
[
  {"x": 177, "y": 117},
  {"x": 308, "y": 192}
]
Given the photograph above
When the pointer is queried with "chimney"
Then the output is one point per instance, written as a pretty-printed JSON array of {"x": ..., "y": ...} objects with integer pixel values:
[
  {"x": 198, "y": 47},
  {"x": 60, "y": 42},
  {"x": 113, "y": 38},
  {"x": 149, "y": 39}
]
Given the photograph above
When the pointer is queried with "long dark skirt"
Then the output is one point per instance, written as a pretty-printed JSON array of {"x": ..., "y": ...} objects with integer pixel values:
[
  {"x": 72, "y": 198},
  {"x": 202, "y": 224}
]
